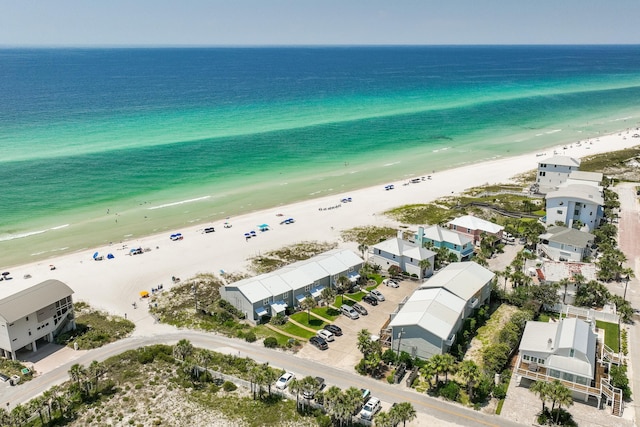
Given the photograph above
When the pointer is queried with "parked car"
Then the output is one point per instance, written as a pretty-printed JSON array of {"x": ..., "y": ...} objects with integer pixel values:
[
  {"x": 335, "y": 330},
  {"x": 4, "y": 378},
  {"x": 360, "y": 309},
  {"x": 391, "y": 283},
  {"x": 310, "y": 394},
  {"x": 370, "y": 299},
  {"x": 14, "y": 380},
  {"x": 284, "y": 380},
  {"x": 350, "y": 312},
  {"x": 376, "y": 293},
  {"x": 319, "y": 342},
  {"x": 325, "y": 335},
  {"x": 370, "y": 408}
]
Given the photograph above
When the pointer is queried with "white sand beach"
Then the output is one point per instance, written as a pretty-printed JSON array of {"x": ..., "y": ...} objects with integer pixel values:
[{"x": 114, "y": 284}]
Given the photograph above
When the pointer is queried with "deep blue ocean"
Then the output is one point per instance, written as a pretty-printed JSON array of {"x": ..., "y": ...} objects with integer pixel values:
[{"x": 237, "y": 129}]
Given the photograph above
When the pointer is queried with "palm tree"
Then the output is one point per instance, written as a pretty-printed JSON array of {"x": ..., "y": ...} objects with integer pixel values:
[
  {"x": 470, "y": 373},
  {"x": 203, "y": 358},
  {"x": 19, "y": 415},
  {"x": 403, "y": 412},
  {"x": 5, "y": 417},
  {"x": 507, "y": 275},
  {"x": 328, "y": 295},
  {"x": 362, "y": 247},
  {"x": 424, "y": 264},
  {"x": 95, "y": 372},
  {"x": 331, "y": 398},
  {"x": 255, "y": 374},
  {"x": 428, "y": 371},
  {"x": 36, "y": 405},
  {"x": 383, "y": 419},
  {"x": 77, "y": 373},
  {"x": 307, "y": 304},
  {"x": 364, "y": 342},
  {"x": 269, "y": 375},
  {"x": 182, "y": 349},
  {"x": 342, "y": 284},
  {"x": 296, "y": 387},
  {"x": 352, "y": 399},
  {"x": 443, "y": 363},
  {"x": 563, "y": 397},
  {"x": 310, "y": 385},
  {"x": 542, "y": 389}
]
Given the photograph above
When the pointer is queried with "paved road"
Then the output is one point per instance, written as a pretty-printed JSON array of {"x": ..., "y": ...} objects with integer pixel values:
[
  {"x": 302, "y": 367},
  {"x": 629, "y": 243}
]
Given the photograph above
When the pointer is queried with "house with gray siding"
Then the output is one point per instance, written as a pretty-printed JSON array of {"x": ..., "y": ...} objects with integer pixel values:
[
  {"x": 272, "y": 293},
  {"x": 406, "y": 255},
  {"x": 565, "y": 244}
]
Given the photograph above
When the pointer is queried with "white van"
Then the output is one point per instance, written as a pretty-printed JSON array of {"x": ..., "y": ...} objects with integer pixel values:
[{"x": 349, "y": 312}]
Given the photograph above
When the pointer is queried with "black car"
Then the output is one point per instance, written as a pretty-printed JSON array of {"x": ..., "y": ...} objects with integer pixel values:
[
  {"x": 370, "y": 299},
  {"x": 310, "y": 394},
  {"x": 319, "y": 342},
  {"x": 335, "y": 330},
  {"x": 209, "y": 230},
  {"x": 360, "y": 309}
]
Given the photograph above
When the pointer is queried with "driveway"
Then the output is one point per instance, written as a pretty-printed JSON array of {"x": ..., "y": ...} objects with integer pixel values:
[{"x": 343, "y": 353}]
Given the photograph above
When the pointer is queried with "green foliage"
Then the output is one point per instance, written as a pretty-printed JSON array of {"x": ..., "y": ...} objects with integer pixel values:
[
  {"x": 228, "y": 386},
  {"x": 368, "y": 235},
  {"x": 619, "y": 379},
  {"x": 270, "y": 342},
  {"x": 611, "y": 334},
  {"x": 450, "y": 391},
  {"x": 95, "y": 329},
  {"x": 389, "y": 356},
  {"x": 500, "y": 391},
  {"x": 421, "y": 214},
  {"x": 495, "y": 357},
  {"x": 278, "y": 320},
  {"x": 276, "y": 259},
  {"x": 250, "y": 337}
]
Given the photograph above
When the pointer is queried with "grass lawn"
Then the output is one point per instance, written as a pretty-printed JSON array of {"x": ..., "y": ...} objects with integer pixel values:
[
  {"x": 327, "y": 312},
  {"x": 611, "y": 334},
  {"x": 296, "y": 330},
  {"x": 358, "y": 295},
  {"x": 340, "y": 300},
  {"x": 263, "y": 332},
  {"x": 308, "y": 321}
]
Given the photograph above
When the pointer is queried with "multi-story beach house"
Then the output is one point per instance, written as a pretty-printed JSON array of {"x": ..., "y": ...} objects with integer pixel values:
[
  {"x": 408, "y": 256},
  {"x": 565, "y": 244},
  {"x": 569, "y": 350},
  {"x": 270, "y": 294},
  {"x": 474, "y": 228},
  {"x": 576, "y": 206},
  {"x": 33, "y": 314},
  {"x": 554, "y": 171},
  {"x": 439, "y": 237},
  {"x": 428, "y": 321}
]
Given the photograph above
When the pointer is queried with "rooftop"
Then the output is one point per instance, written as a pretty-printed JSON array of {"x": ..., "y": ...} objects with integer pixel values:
[
  {"x": 568, "y": 236},
  {"x": 475, "y": 223},
  {"x": 440, "y": 234},
  {"x": 21, "y": 300},
  {"x": 561, "y": 161},
  {"x": 463, "y": 279},
  {"x": 583, "y": 192}
]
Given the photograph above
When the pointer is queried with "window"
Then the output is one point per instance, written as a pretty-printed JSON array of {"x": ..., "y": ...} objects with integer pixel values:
[
  {"x": 307, "y": 288},
  {"x": 571, "y": 352},
  {"x": 526, "y": 357},
  {"x": 576, "y": 212},
  {"x": 559, "y": 212},
  {"x": 265, "y": 302},
  {"x": 468, "y": 230},
  {"x": 410, "y": 259},
  {"x": 379, "y": 252},
  {"x": 541, "y": 361},
  {"x": 285, "y": 295},
  {"x": 27, "y": 318}
]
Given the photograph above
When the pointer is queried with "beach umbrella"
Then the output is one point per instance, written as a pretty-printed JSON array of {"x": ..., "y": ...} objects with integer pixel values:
[
  {"x": 144, "y": 294},
  {"x": 95, "y": 255},
  {"x": 247, "y": 234},
  {"x": 110, "y": 256}
]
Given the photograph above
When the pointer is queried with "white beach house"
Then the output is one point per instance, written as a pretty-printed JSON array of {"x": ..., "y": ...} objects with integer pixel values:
[
  {"x": 270, "y": 294},
  {"x": 33, "y": 313},
  {"x": 554, "y": 171},
  {"x": 575, "y": 204},
  {"x": 409, "y": 256}
]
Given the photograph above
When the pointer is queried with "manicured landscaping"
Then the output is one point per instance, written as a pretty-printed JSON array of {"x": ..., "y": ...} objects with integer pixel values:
[
  {"x": 327, "y": 312},
  {"x": 308, "y": 321},
  {"x": 296, "y": 330},
  {"x": 611, "y": 334},
  {"x": 264, "y": 332}
]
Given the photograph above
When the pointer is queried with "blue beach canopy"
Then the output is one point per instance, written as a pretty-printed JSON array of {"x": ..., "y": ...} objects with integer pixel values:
[
  {"x": 110, "y": 256},
  {"x": 95, "y": 255}
]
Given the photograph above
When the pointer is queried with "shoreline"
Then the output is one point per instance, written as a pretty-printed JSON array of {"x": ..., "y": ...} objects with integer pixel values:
[
  {"x": 114, "y": 284},
  {"x": 129, "y": 219}
]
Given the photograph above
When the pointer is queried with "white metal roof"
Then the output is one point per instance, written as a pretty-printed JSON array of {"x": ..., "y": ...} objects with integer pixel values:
[
  {"x": 463, "y": 279},
  {"x": 21, "y": 299},
  {"x": 561, "y": 161},
  {"x": 582, "y": 192},
  {"x": 440, "y": 234},
  {"x": 434, "y": 310},
  {"x": 474, "y": 223},
  {"x": 586, "y": 176},
  {"x": 400, "y": 247}
]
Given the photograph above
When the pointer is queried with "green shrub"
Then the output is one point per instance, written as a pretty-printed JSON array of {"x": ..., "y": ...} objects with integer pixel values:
[
  {"x": 389, "y": 356},
  {"x": 450, "y": 391},
  {"x": 228, "y": 386},
  {"x": 500, "y": 391},
  {"x": 250, "y": 337},
  {"x": 270, "y": 342}
]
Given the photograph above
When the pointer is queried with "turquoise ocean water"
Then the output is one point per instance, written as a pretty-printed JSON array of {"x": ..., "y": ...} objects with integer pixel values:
[{"x": 169, "y": 137}]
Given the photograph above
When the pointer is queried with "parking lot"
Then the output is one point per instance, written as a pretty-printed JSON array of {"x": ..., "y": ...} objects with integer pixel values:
[{"x": 343, "y": 352}]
